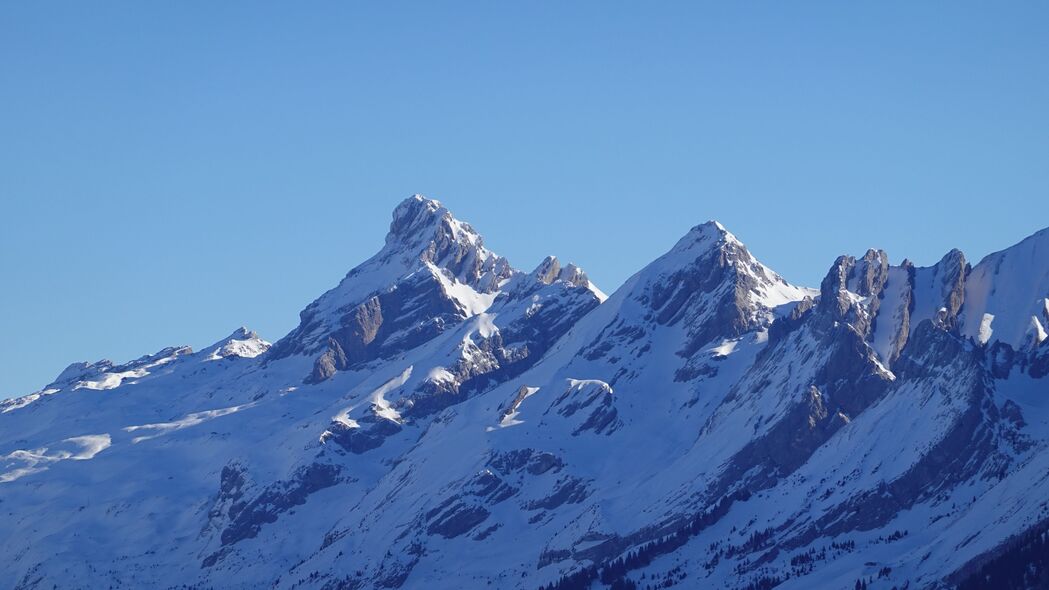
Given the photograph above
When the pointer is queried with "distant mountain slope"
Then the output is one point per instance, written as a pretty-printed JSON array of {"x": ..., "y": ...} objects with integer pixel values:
[{"x": 441, "y": 419}]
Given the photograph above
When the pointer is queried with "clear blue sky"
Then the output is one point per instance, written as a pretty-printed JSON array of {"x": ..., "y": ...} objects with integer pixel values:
[{"x": 172, "y": 170}]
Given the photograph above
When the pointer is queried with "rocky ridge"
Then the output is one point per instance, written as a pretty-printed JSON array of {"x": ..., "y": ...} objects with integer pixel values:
[{"x": 442, "y": 418}]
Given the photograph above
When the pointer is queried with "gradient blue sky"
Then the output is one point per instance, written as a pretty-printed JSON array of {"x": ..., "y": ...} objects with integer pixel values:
[{"x": 170, "y": 171}]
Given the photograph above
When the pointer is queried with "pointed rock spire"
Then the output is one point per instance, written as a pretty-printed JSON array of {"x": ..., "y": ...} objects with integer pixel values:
[
  {"x": 548, "y": 270},
  {"x": 424, "y": 230}
]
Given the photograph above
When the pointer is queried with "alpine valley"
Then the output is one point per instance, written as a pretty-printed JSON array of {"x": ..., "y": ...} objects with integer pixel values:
[{"x": 441, "y": 419}]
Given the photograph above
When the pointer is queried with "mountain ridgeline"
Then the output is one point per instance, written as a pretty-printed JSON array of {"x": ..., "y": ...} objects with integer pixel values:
[{"x": 441, "y": 419}]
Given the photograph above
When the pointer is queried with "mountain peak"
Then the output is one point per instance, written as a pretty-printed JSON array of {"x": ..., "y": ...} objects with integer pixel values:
[
  {"x": 701, "y": 239},
  {"x": 425, "y": 231},
  {"x": 419, "y": 218},
  {"x": 242, "y": 333},
  {"x": 414, "y": 214},
  {"x": 242, "y": 343},
  {"x": 550, "y": 270},
  {"x": 711, "y": 283},
  {"x": 714, "y": 225},
  {"x": 425, "y": 239},
  {"x": 709, "y": 230}
]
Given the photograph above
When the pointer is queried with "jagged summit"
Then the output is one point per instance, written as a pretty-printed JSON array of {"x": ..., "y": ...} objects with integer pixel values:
[
  {"x": 423, "y": 230},
  {"x": 432, "y": 274},
  {"x": 712, "y": 245},
  {"x": 426, "y": 245},
  {"x": 414, "y": 215},
  {"x": 419, "y": 218},
  {"x": 703, "y": 297},
  {"x": 710, "y": 280},
  {"x": 550, "y": 271}
]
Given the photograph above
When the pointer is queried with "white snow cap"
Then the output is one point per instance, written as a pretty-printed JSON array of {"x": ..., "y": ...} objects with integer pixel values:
[
  {"x": 242, "y": 343},
  {"x": 1011, "y": 287}
]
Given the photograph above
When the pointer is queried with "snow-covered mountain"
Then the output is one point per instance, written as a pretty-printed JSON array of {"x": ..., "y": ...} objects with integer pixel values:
[{"x": 441, "y": 419}]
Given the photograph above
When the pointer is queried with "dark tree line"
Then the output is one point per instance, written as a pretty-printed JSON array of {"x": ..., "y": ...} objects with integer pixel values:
[
  {"x": 1024, "y": 564},
  {"x": 614, "y": 572}
]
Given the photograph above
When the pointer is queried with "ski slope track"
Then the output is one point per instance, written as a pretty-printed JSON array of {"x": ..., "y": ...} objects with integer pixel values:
[{"x": 441, "y": 419}]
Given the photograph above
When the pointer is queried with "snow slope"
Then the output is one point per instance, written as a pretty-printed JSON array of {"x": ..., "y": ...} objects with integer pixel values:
[{"x": 440, "y": 419}]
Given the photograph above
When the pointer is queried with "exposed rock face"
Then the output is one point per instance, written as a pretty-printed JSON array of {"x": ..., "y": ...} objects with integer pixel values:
[
  {"x": 593, "y": 402},
  {"x": 442, "y": 275},
  {"x": 974, "y": 444},
  {"x": 850, "y": 280},
  {"x": 424, "y": 239},
  {"x": 886, "y": 303},
  {"x": 412, "y": 312},
  {"x": 548, "y": 270},
  {"x": 425, "y": 227},
  {"x": 871, "y": 273},
  {"x": 951, "y": 272},
  {"x": 1040, "y": 361},
  {"x": 526, "y": 461},
  {"x": 247, "y": 516},
  {"x": 844, "y": 382},
  {"x": 708, "y": 285},
  {"x": 442, "y": 419},
  {"x": 369, "y": 433},
  {"x": 721, "y": 292}
]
